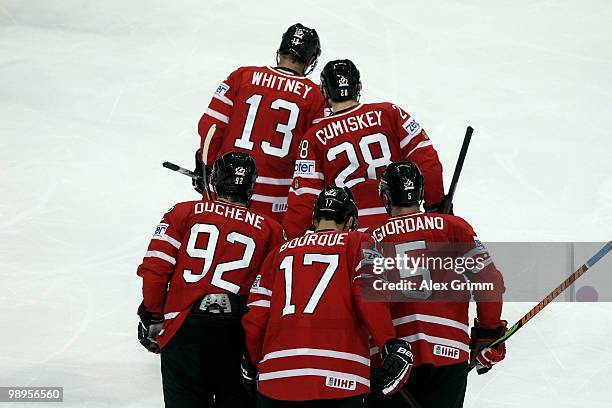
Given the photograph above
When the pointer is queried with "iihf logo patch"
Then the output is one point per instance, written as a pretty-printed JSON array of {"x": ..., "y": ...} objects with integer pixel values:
[
  {"x": 240, "y": 171},
  {"x": 299, "y": 33},
  {"x": 331, "y": 193},
  {"x": 408, "y": 185},
  {"x": 343, "y": 81}
]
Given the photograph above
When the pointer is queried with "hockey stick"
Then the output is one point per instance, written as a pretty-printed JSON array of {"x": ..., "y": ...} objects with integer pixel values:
[
  {"x": 412, "y": 403},
  {"x": 447, "y": 203},
  {"x": 181, "y": 170},
  {"x": 205, "y": 147},
  {"x": 552, "y": 295}
]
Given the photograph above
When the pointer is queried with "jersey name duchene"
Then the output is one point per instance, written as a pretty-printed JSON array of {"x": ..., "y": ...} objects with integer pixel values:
[{"x": 229, "y": 211}]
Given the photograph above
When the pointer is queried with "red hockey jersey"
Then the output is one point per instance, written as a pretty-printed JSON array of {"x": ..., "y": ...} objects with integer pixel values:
[
  {"x": 203, "y": 247},
  {"x": 438, "y": 329},
  {"x": 307, "y": 328},
  {"x": 262, "y": 111},
  {"x": 352, "y": 149}
]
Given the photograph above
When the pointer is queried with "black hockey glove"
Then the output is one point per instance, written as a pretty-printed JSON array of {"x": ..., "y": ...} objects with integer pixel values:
[
  {"x": 439, "y": 208},
  {"x": 249, "y": 375},
  {"x": 148, "y": 328},
  {"x": 396, "y": 365},
  {"x": 198, "y": 184}
]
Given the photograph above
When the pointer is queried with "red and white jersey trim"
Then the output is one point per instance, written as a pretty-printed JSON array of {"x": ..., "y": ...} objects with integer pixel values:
[
  {"x": 437, "y": 340},
  {"x": 168, "y": 239},
  {"x": 260, "y": 303},
  {"x": 305, "y": 190},
  {"x": 160, "y": 255},
  {"x": 275, "y": 181},
  {"x": 335, "y": 116},
  {"x": 318, "y": 353},
  {"x": 302, "y": 372},
  {"x": 424, "y": 143},
  {"x": 430, "y": 319},
  {"x": 371, "y": 211},
  {"x": 223, "y": 99},
  {"x": 285, "y": 73},
  {"x": 269, "y": 199},
  {"x": 217, "y": 115},
  {"x": 171, "y": 315}
]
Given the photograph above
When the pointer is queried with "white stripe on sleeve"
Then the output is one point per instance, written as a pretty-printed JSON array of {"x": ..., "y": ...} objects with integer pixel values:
[
  {"x": 260, "y": 303},
  {"x": 424, "y": 143},
  {"x": 217, "y": 115},
  {"x": 160, "y": 255},
  {"x": 223, "y": 99},
  {"x": 169, "y": 240},
  {"x": 304, "y": 190}
]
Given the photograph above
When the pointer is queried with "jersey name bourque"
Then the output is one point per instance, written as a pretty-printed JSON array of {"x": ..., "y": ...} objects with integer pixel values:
[
  {"x": 269, "y": 80},
  {"x": 341, "y": 126},
  {"x": 314, "y": 239}
]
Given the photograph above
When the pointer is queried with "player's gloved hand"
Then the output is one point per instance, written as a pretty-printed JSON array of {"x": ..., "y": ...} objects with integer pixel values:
[
  {"x": 439, "y": 208},
  {"x": 148, "y": 328},
  {"x": 198, "y": 184},
  {"x": 396, "y": 366},
  {"x": 482, "y": 356},
  {"x": 249, "y": 375}
]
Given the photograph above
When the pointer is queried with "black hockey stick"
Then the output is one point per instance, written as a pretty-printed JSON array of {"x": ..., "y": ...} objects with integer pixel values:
[
  {"x": 552, "y": 295},
  {"x": 181, "y": 170},
  {"x": 412, "y": 403},
  {"x": 188, "y": 173},
  {"x": 447, "y": 203}
]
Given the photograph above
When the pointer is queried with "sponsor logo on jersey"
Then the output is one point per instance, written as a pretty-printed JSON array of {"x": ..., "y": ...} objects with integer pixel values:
[
  {"x": 279, "y": 207},
  {"x": 412, "y": 127},
  {"x": 342, "y": 383},
  {"x": 445, "y": 351},
  {"x": 160, "y": 230},
  {"x": 479, "y": 244},
  {"x": 256, "y": 282},
  {"x": 304, "y": 168},
  {"x": 222, "y": 89}
]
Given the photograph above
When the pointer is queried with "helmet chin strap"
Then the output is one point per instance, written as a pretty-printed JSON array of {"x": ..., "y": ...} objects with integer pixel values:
[{"x": 311, "y": 67}]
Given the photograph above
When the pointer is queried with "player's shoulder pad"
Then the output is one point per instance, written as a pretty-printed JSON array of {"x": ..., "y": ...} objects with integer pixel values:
[{"x": 458, "y": 224}]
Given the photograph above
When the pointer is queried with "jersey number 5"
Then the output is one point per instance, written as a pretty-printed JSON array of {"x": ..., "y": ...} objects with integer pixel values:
[
  {"x": 309, "y": 259},
  {"x": 245, "y": 142}
]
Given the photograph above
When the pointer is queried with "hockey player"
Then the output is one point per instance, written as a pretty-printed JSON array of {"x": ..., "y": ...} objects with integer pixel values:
[
  {"x": 436, "y": 322},
  {"x": 351, "y": 148},
  {"x": 197, "y": 271},
  {"x": 264, "y": 111},
  {"x": 307, "y": 328}
]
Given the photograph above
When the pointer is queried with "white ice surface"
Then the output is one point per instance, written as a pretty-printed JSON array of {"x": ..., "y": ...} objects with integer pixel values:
[{"x": 94, "y": 95}]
